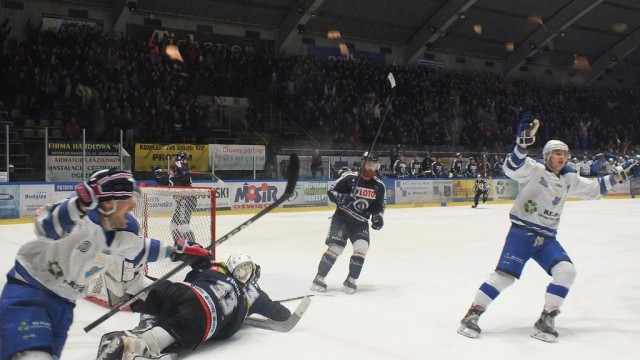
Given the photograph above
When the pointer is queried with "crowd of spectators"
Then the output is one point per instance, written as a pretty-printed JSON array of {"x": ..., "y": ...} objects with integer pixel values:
[{"x": 104, "y": 82}]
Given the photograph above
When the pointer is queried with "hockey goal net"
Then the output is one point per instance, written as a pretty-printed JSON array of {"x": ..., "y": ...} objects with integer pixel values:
[{"x": 165, "y": 213}]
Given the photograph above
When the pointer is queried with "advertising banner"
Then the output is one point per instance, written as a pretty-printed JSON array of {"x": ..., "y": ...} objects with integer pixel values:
[
  {"x": 237, "y": 157},
  {"x": 9, "y": 202},
  {"x": 312, "y": 193},
  {"x": 149, "y": 155},
  {"x": 504, "y": 189},
  {"x": 65, "y": 162},
  {"x": 255, "y": 194},
  {"x": 33, "y": 197},
  {"x": 62, "y": 191},
  {"x": 422, "y": 191},
  {"x": 462, "y": 190}
]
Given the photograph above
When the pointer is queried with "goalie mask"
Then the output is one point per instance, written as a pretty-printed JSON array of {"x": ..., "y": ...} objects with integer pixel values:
[{"x": 242, "y": 268}]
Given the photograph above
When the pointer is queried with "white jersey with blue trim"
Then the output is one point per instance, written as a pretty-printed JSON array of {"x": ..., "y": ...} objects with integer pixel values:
[
  {"x": 542, "y": 194},
  {"x": 71, "y": 249}
]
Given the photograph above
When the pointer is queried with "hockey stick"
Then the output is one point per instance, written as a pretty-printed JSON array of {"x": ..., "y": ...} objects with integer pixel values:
[
  {"x": 281, "y": 326},
  {"x": 292, "y": 178},
  {"x": 392, "y": 81}
]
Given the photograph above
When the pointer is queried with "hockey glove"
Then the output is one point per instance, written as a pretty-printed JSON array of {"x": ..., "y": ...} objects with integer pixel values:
[
  {"x": 377, "y": 222},
  {"x": 627, "y": 170},
  {"x": 183, "y": 251},
  {"x": 527, "y": 129},
  {"x": 341, "y": 199},
  {"x": 87, "y": 195}
]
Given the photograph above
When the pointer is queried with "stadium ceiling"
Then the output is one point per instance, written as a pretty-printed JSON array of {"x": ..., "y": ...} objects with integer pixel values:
[{"x": 592, "y": 36}]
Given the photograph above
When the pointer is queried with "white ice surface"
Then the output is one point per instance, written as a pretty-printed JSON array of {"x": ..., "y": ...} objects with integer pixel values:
[{"x": 419, "y": 278}]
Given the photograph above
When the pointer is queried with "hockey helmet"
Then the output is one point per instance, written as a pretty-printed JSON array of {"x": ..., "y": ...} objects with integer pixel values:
[
  {"x": 106, "y": 185},
  {"x": 370, "y": 157},
  {"x": 242, "y": 268},
  {"x": 552, "y": 145},
  {"x": 182, "y": 156}
]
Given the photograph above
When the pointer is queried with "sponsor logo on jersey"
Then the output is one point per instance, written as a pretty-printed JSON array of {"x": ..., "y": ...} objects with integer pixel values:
[
  {"x": 84, "y": 246},
  {"x": 543, "y": 182},
  {"x": 366, "y": 193}
]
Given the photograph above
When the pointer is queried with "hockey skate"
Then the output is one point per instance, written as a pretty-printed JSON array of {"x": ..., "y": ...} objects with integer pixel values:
[
  {"x": 469, "y": 324},
  {"x": 474, "y": 206},
  {"x": 544, "y": 327},
  {"x": 349, "y": 286},
  {"x": 126, "y": 347},
  {"x": 318, "y": 284}
]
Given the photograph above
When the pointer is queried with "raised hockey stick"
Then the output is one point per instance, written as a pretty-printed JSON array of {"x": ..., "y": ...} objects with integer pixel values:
[
  {"x": 392, "y": 81},
  {"x": 292, "y": 179},
  {"x": 281, "y": 326}
]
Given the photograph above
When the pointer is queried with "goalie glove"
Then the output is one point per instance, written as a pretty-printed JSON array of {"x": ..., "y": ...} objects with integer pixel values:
[{"x": 527, "y": 129}]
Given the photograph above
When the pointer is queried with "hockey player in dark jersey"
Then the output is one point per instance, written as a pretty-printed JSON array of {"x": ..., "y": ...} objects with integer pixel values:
[
  {"x": 481, "y": 188},
  {"x": 358, "y": 197},
  {"x": 179, "y": 175},
  {"x": 211, "y": 304}
]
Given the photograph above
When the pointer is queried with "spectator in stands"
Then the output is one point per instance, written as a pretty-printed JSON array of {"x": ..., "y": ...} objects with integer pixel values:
[
  {"x": 72, "y": 129},
  {"x": 316, "y": 164}
]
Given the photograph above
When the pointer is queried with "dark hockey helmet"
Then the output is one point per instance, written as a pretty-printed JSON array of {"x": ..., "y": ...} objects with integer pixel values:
[
  {"x": 182, "y": 156},
  {"x": 370, "y": 157},
  {"x": 109, "y": 184}
]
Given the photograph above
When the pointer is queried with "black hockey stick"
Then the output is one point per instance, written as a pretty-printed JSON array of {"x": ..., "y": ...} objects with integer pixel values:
[
  {"x": 292, "y": 178},
  {"x": 392, "y": 81},
  {"x": 281, "y": 326}
]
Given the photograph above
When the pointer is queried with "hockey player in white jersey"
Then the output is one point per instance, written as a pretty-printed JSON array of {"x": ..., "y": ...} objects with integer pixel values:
[
  {"x": 75, "y": 240},
  {"x": 535, "y": 215}
]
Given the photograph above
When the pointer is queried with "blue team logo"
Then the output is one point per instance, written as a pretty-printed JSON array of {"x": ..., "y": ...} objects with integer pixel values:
[{"x": 556, "y": 201}]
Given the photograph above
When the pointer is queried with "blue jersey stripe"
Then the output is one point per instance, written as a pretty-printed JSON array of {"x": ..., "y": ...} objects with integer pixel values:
[
  {"x": 154, "y": 250},
  {"x": 536, "y": 228},
  {"x": 64, "y": 218},
  {"x": 49, "y": 228}
]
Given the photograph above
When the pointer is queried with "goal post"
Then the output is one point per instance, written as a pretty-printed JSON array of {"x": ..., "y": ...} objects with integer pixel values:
[{"x": 166, "y": 213}]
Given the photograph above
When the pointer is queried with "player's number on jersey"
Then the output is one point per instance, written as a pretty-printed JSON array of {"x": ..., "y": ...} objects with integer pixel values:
[{"x": 226, "y": 296}]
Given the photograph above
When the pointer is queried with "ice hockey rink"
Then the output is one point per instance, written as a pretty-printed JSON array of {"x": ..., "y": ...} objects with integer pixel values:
[{"x": 419, "y": 278}]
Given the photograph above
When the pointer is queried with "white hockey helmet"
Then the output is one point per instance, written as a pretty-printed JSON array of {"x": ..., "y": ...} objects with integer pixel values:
[
  {"x": 242, "y": 267},
  {"x": 553, "y": 145}
]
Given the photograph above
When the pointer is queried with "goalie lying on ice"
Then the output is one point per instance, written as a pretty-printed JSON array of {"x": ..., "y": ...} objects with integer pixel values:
[{"x": 212, "y": 303}]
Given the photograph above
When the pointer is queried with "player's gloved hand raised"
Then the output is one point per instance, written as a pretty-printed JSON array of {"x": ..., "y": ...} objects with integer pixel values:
[
  {"x": 627, "y": 170},
  {"x": 527, "y": 128},
  {"x": 377, "y": 222}
]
